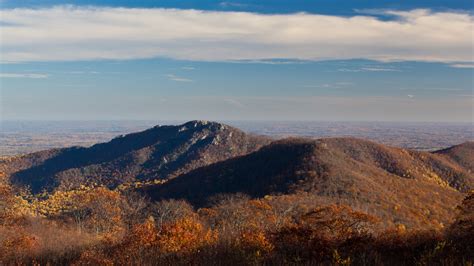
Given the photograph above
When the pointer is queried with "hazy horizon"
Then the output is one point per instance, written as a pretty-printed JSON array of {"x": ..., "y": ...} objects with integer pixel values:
[
  {"x": 180, "y": 121},
  {"x": 20, "y": 137}
]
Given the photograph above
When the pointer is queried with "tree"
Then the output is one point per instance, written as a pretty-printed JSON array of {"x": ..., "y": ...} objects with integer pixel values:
[
  {"x": 338, "y": 221},
  {"x": 7, "y": 202},
  {"x": 184, "y": 236},
  {"x": 463, "y": 226},
  {"x": 133, "y": 208},
  {"x": 318, "y": 232},
  {"x": 170, "y": 211},
  {"x": 97, "y": 209}
]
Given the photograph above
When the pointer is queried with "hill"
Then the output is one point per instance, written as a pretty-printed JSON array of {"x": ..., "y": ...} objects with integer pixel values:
[
  {"x": 397, "y": 185},
  {"x": 462, "y": 154},
  {"x": 161, "y": 152}
]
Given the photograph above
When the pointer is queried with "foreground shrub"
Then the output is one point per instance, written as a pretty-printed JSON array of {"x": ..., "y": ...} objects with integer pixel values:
[{"x": 233, "y": 231}]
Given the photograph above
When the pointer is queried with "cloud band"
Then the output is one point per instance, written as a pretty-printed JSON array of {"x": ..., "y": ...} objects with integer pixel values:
[{"x": 66, "y": 33}]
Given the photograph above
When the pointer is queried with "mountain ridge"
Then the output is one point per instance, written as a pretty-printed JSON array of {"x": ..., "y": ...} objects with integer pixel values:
[
  {"x": 160, "y": 152},
  {"x": 396, "y": 183}
]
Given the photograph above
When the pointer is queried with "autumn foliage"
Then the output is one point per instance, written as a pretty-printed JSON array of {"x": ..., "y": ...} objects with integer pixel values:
[{"x": 99, "y": 226}]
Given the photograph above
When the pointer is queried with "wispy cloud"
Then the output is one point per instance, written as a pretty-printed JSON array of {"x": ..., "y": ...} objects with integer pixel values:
[
  {"x": 372, "y": 11},
  {"x": 369, "y": 69},
  {"x": 234, "y": 103},
  {"x": 80, "y": 72},
  {"x": 177, "y": 78},
  {"x": 432, "y": 89},
  {"x": 88, "y": 33},
  {"x": 380, "y": 69},
  {"x": 270, "y": 61},
  {"x": 462, "y": 65},
  {"x": 227, "y": 4},
  {"x": 336, "y": 85},
  {"x": 188, "y": 68},
  {"x": 23, "y": 75}
]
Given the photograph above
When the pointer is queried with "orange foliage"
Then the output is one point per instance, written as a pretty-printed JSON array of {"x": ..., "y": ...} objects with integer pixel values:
[
  {"x": 145, "y": 241},
  {"x": 319, "y": 231},
  {"x": 236, "y": 230},
  {"x": 338, "y": 221},
  {"x": 17, "y": 244},
  {"x": 93, "y": 257},
  {"x": 184, "y": 236},
  {"x": 142, "y": 235},
  {"x": 256, "y": 242},
  {"x": 138, "y": 242},
  {"x": 98, "y": 209},
  {"x": 6, "y": 201}
]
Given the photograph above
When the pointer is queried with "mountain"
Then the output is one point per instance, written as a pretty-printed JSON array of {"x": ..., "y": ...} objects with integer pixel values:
[
  {"x": 161, "y": 152},
  {"x": 397, "y": 185}
]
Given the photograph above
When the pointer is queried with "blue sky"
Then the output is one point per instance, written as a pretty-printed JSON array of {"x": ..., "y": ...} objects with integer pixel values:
[
  {"x": 335, "y": 7},
  {"x": 237, "y": 60}
]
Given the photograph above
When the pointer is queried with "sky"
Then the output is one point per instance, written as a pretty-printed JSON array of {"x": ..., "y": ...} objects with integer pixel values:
[{"x": 237, "y": 60}]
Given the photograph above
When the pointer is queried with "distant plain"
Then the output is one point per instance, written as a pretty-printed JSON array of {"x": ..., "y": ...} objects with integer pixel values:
[{"x": 21, "y": 137}]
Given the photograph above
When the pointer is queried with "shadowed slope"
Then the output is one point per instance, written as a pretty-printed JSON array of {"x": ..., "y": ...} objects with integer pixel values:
[
  {"x": 396, "y": 184},
  {"x": 462, "y": 154}
]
